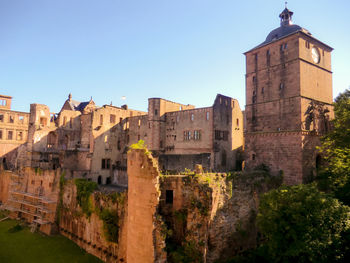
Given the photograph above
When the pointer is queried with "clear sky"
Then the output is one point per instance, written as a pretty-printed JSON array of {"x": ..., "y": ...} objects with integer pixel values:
[{"x": 181, "y": 50}]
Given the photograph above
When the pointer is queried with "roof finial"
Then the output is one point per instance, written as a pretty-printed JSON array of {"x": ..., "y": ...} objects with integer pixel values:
[
  {"x": 70, "y": 96},
  {"x": 285, "y": 4}
]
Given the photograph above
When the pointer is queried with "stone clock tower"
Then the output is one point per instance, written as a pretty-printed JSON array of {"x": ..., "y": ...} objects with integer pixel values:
[{"x": 288, "y": 101}]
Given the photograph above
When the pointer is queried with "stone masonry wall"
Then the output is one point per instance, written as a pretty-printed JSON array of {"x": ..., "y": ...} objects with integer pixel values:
[
  {"x": 89, "y": 232},
  {"x": 145, "y": 242}
]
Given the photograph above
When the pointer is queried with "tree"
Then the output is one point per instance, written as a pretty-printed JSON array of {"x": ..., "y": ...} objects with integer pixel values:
[
  {"x": 334, "y": 175},
  {"x": 302, "y": 224}
]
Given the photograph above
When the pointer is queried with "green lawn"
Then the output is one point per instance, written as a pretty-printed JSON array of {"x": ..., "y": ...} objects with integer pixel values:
[{"x": 24, "y": 246}]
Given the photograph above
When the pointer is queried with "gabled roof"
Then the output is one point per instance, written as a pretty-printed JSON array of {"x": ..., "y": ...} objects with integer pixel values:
[{"x": 74, "y": 105}]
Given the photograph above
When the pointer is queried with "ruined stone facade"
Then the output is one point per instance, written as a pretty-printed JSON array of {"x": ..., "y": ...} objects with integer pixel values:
[
  {"x": 288, "y": 100},
  {"x": 13, "y": 133},
  {"x": 203, "y": 216},
  {"x": 92, "y": 142}
]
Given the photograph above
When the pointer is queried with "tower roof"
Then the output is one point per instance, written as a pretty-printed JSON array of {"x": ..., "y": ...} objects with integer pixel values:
[{"x": 286, "y": 28}]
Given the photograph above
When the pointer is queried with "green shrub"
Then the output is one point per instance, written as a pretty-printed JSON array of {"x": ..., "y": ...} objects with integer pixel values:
[
  {"x": 110, "y": 224},
  {"x": 84, "y": 190}
]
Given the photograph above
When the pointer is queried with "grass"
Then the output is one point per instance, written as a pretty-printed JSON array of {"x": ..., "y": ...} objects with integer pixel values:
[{"x": 24, "y": 246}]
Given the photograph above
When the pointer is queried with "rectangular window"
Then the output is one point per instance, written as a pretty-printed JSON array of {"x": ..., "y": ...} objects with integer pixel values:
[
  {"x": 1, "y": 117},
  {"x": 192, "y": 117},
  {"x": 256, "y": 61},
  {"x": 21, "y": 119},
  {"x": 187, "y": 135},
  {"x": 0, "y": 134},
  {"x": 101, "y": 120},
  {"x": 64, "y": 120},
  {"x": 112, "y": 118},
  {"x": 207, "y": 117},
  {"x": 197, "y": 135},
  {"x": 11, "y": 119},
  {"x": 169, "y": 196},
  {"x": 10, "y": 135},
  {"x": 268, "y": 57},
  {"x": 221, "y": 135},
  {"x": 19, "y": 136},
  {"x": 105, "y": 164}
]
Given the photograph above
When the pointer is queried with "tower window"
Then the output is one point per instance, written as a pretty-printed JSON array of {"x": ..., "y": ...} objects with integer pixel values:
[
  {"x": 256, "y": 62},
  {"x": 268, "y": 57},
  {"x": 254, "y": 81},
  {"x": 307, "y": 44},
  {"x": 156, "y": 112},
  {"x": 207, "y": 116},
  {"x": 192, "y": 117},
  {"x": 253, "y": 156},
  {"x": 281, "y": 86}
]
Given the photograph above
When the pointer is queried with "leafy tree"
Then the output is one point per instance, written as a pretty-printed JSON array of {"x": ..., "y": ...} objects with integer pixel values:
[
  {"x": 334, "y": 176},
  {"x": 302, "y": 224}
]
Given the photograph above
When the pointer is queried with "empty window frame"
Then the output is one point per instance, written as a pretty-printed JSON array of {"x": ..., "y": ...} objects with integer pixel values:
[
  {"x": 192, "y": 117},
  {"x": 169, "y": 196},
  {"x": 187, "y": 135},
  {"x": 3, "y": 103},
  {"x": 11, "y": 119},
  {"x": 19, "y": 136},
  {"x": 221, "y": 135},
  {"x": 105, "y": 164},
  {"x": 21, "y": 119},
  {"x": 10, "y": 135},
  {"x": 112, "y": 118},
  {"x": 197, "y": 135},
  {"x": 207, "y": 116}
]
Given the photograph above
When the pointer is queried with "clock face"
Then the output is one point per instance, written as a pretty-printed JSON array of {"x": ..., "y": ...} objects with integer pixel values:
[{"x": 315, "y": 55}]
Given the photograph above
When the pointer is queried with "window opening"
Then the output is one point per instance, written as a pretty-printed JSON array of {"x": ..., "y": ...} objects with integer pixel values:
[{"x": 169, "y": 196}]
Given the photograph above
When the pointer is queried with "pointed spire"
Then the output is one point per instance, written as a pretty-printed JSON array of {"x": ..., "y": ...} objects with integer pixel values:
[{"x": 70, "y": 96}]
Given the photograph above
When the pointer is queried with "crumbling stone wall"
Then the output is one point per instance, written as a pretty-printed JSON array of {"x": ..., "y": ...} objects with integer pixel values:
[
  {"x": 145, "y": 240},
  {"x": 89, "y": 231}
]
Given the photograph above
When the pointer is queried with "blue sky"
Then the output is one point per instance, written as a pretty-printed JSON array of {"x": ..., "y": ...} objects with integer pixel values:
[{"x": 182, "y": 50}]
